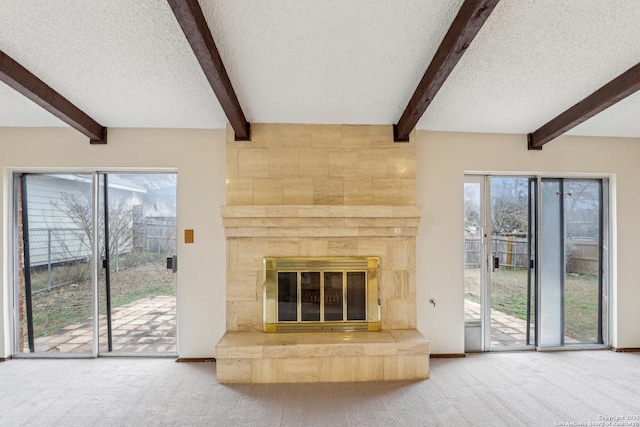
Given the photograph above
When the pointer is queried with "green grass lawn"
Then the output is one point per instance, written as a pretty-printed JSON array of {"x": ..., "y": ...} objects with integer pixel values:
[
  {"x": 509, "y": 295},
  {"x": 72, "y": 303}
]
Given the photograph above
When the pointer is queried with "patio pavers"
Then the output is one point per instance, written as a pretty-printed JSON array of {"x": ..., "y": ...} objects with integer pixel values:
[
  {"x": 143, "y": 326},
  {"x": 148, "y": 325},
  {"x": 506, "y": 330}
]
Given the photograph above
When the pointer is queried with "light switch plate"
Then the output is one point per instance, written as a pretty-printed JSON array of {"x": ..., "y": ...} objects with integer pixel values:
[{"x": 188, "y": 236}]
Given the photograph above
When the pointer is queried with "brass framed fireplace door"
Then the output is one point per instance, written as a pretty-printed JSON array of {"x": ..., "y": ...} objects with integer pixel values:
[{"x": 322, "y": 294}]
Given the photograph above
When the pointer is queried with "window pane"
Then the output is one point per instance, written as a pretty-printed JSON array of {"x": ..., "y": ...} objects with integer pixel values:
[
  {"x": 582, "y": 247},
  {"x": 472, "y": 249},
  {"x": 141, "y": 235},
  {"x": 509, "y": 279},
  {"x": 356, "y": 296},
  {"x": 310, "y": 288},
  {"x": 333, "y": 296},
  {"x": 287, "y": 297},
  {"x": 55, "y": 289},
  {"x": 552, "y": 262}
]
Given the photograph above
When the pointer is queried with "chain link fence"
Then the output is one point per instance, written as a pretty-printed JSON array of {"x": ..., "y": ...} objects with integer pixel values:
[
  {"x": 62, "y": 256},
  {"x": 59, "y": 256}
]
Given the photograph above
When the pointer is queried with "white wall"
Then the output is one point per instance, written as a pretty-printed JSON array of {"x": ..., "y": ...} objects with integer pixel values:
[
  {"x": 443, "y": 159},
  {"x": 199, "y": 158}
]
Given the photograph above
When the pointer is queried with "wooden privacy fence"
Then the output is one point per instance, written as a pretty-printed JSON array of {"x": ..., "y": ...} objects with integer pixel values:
[
  {"x": 512, "y": 251},
  {"x": 472, "y": 246},
  {"x": 583, "y": 257}
]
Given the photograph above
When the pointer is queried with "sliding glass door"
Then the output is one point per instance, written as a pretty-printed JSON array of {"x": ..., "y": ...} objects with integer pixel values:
[
  {"x": 511, "y": 287},
  {"x": 53, "y": 250},
  {"x": 572, "y": 275},
  {"x": 137, "y": 292},
  {"x": 535, "y": 262},
  {"x": 499, "y": 274},
  {"x": 60, "y": 289}
]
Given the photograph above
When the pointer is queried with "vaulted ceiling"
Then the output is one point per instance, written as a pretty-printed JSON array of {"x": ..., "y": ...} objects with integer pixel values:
[{"x": 127, "y": 63}]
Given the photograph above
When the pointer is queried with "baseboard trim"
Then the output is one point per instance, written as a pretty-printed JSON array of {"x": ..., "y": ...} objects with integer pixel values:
[
  {"x": 626, "y": 350},
  {"x": 195, "y": 359},
  {"x": 447, "y": 355}
]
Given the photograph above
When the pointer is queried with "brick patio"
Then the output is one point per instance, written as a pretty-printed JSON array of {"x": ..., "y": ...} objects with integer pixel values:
[
  {"x": 143, "y": 326},
  {"x": 506, "y": 331}
]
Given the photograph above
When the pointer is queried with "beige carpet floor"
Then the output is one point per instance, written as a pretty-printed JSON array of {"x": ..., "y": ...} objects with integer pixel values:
[{"x": 509, "y": 389}]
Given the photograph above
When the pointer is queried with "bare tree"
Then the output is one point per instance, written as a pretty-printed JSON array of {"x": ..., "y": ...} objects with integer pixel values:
[
  {"x": 509, "y": 205},
  {"x": 78, "y": 208},
  {"x": 582, "y": 201},
  {"x": 472, "y": 206}
]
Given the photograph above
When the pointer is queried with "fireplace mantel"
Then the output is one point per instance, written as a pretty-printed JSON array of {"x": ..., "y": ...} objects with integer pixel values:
[{"x": 321, "y": 221}]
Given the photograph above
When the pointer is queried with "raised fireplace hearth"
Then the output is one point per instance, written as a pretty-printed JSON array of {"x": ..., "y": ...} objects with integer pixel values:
[{"x": 293, "y": 357}]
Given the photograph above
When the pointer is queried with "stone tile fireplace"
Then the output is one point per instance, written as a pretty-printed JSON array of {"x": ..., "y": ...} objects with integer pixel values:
[{"x": 310, "y": 191}]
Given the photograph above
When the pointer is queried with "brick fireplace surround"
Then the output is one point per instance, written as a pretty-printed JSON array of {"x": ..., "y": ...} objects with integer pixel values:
[{"x": 320, "y": 191}]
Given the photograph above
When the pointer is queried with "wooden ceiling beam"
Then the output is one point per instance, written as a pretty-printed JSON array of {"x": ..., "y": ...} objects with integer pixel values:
[
  {"x": 22, "y": 80},
  {"x": 616, "y": 90},
  {"x": 195, "y": 28},
  {"x": 467, "y": 23}
]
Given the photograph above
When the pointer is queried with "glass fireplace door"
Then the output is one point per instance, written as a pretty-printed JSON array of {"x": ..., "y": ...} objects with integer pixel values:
[{"x": 321, "y": 294}]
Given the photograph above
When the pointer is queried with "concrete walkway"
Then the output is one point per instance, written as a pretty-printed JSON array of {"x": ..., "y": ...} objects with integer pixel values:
[{"x": 143, "y": 326}]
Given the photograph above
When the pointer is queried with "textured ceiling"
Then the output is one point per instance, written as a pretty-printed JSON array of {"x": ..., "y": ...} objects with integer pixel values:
[
  {"x": 330, "y": 61},
  {"x": 126, "y": 63},
  {"x": 534, "y": 59}
]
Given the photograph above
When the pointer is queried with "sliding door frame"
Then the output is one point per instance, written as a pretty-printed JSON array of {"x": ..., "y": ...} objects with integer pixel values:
[
  {"x": 13, "y": 175},
  {"x": 101, "y": 178},
  {"x": 11, "y": 249},
  {"x": 605, "y": 264},
  {"x": 532, "y": 222}
]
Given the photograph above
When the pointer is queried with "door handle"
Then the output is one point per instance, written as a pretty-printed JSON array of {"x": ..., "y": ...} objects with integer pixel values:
[
  {"x": 496, "y": 262},
  {"x": 172, "y": 263}
]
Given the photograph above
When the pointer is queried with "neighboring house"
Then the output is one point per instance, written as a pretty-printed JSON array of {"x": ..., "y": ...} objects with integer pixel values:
[
  {"x": 157, "y": 216},
  {"x": 57, "y": 213}
]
